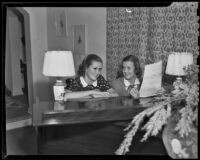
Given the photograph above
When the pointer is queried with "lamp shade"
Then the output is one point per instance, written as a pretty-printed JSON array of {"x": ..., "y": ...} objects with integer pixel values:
[
  {"x": 58, "y": 64},
  {"x": 176, "y": 62}
]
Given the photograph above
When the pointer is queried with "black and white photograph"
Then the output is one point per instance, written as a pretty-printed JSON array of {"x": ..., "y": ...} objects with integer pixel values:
[{"x": 101, "y": 80}]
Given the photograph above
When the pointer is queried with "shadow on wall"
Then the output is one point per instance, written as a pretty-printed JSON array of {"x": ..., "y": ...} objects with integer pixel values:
[{"x": 44, "y": 91}]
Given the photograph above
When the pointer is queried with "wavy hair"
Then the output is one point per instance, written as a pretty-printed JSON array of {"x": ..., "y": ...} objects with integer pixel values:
[
  {"x": 136, "y": 62},
  {"x": 87, "y": 62}
]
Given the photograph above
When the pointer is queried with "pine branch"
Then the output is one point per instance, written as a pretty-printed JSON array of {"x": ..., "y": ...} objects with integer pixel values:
[
  {"x": 154, "y": 125},
  {"x": 133, "y": 128},
  {"x": 139, "y": 118},
  {"x": 184, "y": 124},
  {"x": 124, "y": 147}
]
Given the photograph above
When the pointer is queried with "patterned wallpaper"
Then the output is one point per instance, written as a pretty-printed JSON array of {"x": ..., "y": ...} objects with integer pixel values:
[{"x": 151, "y": 33}]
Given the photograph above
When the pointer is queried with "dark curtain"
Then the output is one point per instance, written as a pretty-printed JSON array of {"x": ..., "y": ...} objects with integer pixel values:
[{"x": 151, "y": 33}]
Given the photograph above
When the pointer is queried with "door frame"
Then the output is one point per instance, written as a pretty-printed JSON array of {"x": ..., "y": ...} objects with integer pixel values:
[{"x": 28, "y": 55}]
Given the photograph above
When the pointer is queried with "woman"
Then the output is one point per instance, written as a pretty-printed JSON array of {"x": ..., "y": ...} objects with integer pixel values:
[
  {"x": 128, "y": 78},
  {"x": 89, "y": 82}
]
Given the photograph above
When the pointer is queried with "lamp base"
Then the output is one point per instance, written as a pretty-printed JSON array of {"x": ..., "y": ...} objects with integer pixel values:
[
  {"x": 59, "y": 105},
  {"x": 177, "y": 83},
  {"x": 59, "y": 90},
  {"x": 179, "y": 80}
]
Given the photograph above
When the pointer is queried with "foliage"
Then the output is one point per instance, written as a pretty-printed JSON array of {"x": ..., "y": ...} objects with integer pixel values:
[{"x": 180, "y": 104}]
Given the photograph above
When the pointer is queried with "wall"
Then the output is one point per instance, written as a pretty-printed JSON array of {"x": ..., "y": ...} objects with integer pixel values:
[
  {"x": 55, "y": 42},
  {"x": 42, "y": 23},
  {"x": 38, "y": 30},
  {"x": 95, "y": 20}
]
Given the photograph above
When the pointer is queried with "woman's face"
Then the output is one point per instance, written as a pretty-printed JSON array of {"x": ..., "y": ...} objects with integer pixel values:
[
  {"x": 94, "y": 70},
  {"x": 128, "y": 70}
]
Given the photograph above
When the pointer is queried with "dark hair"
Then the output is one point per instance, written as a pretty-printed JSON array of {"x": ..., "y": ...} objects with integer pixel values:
[
  {"x": 87, "y": 62},
  {"x": 136, "y": 63}
]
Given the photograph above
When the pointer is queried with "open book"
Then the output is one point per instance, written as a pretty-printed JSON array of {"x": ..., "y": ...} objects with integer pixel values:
[{"x": 151, "y": 79}]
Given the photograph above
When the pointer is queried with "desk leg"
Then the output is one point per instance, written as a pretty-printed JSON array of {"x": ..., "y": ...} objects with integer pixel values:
[{"x": 37, "y": 139}]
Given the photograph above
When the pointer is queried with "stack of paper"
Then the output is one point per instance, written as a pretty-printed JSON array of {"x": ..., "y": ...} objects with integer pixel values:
[{"x": 151, "y": 79}]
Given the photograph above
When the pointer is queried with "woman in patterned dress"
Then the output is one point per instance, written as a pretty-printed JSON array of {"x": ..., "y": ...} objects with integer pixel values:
[{"x": 89, "y": 82}]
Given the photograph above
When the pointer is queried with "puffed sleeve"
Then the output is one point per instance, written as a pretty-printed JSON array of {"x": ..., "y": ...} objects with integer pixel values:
[
  {"x": 71, "y": 85},
  {"x": 103, "y": 84}
]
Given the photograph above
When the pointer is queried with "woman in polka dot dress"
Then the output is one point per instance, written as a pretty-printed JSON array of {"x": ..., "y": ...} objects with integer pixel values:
[{"x": 89, "y": 82}]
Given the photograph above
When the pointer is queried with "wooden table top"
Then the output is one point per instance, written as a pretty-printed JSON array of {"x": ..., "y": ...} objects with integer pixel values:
[{"x": 86, "y": 110}]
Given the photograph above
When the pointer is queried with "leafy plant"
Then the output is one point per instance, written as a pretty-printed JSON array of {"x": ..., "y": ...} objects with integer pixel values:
[{"x": 181, "y": 104}]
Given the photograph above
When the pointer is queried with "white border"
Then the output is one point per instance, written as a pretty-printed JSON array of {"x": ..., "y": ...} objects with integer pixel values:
[{"x": 18, "y": 124}]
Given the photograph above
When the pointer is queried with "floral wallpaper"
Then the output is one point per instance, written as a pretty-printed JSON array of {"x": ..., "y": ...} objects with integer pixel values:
[{"x": 150, "y": 33}]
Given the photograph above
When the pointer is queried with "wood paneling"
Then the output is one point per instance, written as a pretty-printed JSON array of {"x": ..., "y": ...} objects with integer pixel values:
[
  {"x": 90, "y": 139},
  {"x": 94, "y": 139}
]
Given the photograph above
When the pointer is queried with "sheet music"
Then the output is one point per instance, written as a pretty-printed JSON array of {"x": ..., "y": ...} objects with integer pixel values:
[{"x": 151, "y": 79}]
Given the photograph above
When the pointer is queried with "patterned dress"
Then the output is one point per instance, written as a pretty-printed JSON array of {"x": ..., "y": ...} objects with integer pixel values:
[{"x": 76, "y": 85}]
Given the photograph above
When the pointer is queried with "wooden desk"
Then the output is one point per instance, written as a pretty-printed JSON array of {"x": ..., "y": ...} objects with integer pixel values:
[
  {"x": 87, "y": 126},
  {"x": 91, "y": 110}
]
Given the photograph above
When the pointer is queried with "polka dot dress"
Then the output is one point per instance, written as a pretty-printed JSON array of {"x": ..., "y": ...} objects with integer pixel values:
[{"x": 76, "y": 85}]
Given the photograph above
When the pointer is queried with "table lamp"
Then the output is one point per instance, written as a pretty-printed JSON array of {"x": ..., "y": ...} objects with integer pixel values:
[
  {"x": 59, "y": 64},
  {"x": 176, "y": 62}
]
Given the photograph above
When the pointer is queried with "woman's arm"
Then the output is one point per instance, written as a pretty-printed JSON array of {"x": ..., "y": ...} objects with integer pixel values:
[
  {"x": 81, "y": 94},
  {"x": 112, "y": 93},
  {"x": 78, "y": 94}
]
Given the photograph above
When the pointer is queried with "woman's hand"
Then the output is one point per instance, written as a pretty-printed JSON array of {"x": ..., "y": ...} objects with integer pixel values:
[
  {"x": 85, "y": 94},
  {"x": 134, "y": 93}
]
